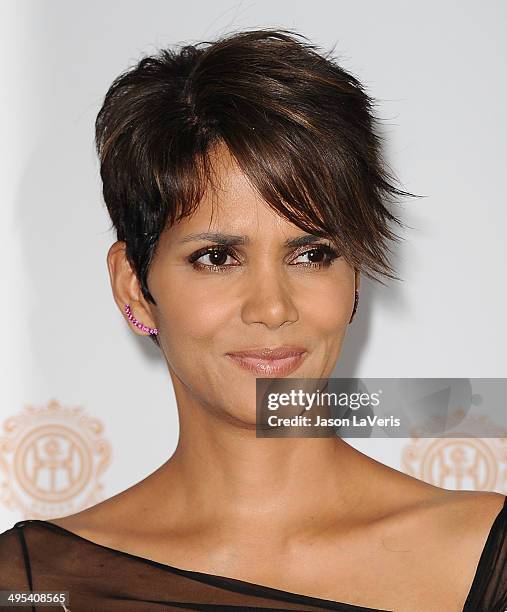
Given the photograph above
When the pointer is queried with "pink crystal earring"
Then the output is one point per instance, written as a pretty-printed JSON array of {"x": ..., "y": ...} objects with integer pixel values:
[
  {"x": 356, "y": 300},
  {"x": 142, "y": 326}
]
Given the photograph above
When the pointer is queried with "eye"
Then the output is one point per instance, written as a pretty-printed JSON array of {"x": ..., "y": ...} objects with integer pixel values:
[
  {"x": 320, "y": 256},
  {"x": 217, "y": 257}
]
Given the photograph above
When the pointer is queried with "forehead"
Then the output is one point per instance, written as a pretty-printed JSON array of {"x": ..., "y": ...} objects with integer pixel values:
[{"x": 233, "y": 204}]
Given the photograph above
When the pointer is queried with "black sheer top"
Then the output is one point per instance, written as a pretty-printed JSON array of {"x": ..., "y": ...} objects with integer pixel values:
[{"x": 39, "y": 555}]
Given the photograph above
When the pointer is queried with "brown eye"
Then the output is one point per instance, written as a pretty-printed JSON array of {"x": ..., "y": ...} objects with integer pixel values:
[
  {"x": 217, "y": 258},
  {"x": 316, "y": 255},
  {"x": 319, "y": 256}
]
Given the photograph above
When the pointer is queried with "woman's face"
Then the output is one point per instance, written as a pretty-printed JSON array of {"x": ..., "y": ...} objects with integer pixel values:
[{"x": 257, "y": 292}]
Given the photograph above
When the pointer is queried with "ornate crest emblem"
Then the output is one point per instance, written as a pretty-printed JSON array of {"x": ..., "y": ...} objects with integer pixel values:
[
  {"x": 456, "y": 463},
  {"x": 51, "y": 461}
]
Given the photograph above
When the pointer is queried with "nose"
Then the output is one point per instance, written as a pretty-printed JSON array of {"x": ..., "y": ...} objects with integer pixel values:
[{"x": 269, "y": 299}]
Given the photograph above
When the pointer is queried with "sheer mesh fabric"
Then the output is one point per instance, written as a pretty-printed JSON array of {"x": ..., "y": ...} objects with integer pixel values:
[
  {"x": 38, "y": 555},
  {"x": 488, "y": 592}
]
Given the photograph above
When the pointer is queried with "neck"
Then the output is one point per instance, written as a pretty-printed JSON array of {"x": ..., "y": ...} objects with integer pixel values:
[{"x": 230, "y": 479}]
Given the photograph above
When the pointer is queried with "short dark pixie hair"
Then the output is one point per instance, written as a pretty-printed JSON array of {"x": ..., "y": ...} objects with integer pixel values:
[{"x": 299, "y": 126}]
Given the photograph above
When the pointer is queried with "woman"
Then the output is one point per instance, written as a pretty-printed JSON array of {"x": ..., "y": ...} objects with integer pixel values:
[{"x": 245, "y": 182}]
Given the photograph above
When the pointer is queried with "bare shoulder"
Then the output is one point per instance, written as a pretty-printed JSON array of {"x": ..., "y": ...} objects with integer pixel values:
[
  {"x": 469, "y": 514},
  {"x": 103, "y": 523},
  {"x": 114, "y": 521},
  {"x": 432, "y": 518},
  {"x": 455, "y": 518},
  {"x": 451, "y": 529}
]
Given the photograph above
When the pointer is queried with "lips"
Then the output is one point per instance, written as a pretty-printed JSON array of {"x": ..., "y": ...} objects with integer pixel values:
[{"x": 269, "y": 362}]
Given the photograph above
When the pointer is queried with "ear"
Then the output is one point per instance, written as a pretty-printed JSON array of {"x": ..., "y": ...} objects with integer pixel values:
[
  {"x": 126, "y": 288},
  {"x": 357, "y": 275},
  {"x": 357, "y": 282}
]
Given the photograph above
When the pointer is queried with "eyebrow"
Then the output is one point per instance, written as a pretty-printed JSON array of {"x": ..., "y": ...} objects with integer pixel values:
[{"x": 234, "y": 240}]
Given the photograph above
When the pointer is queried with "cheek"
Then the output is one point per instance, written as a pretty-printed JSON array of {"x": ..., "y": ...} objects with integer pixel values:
[
  {"x": 327, "y": 306},
  {"x": 193, "y": 313}
]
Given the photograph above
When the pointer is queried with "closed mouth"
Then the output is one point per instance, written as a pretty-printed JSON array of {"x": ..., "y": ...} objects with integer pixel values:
[{"x": 278, "y": 364}]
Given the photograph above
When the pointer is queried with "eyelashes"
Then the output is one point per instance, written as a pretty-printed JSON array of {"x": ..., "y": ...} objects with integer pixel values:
[{"x": 218, "y": 256}]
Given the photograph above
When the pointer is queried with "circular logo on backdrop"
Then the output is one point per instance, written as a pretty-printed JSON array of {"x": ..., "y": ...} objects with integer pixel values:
[
  {"x": 458, "y": 463},
  {"x": 51, "y": 461}
]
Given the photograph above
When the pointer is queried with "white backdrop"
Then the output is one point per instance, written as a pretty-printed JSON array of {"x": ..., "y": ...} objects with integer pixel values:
[{"x": 438, "y": 70}]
